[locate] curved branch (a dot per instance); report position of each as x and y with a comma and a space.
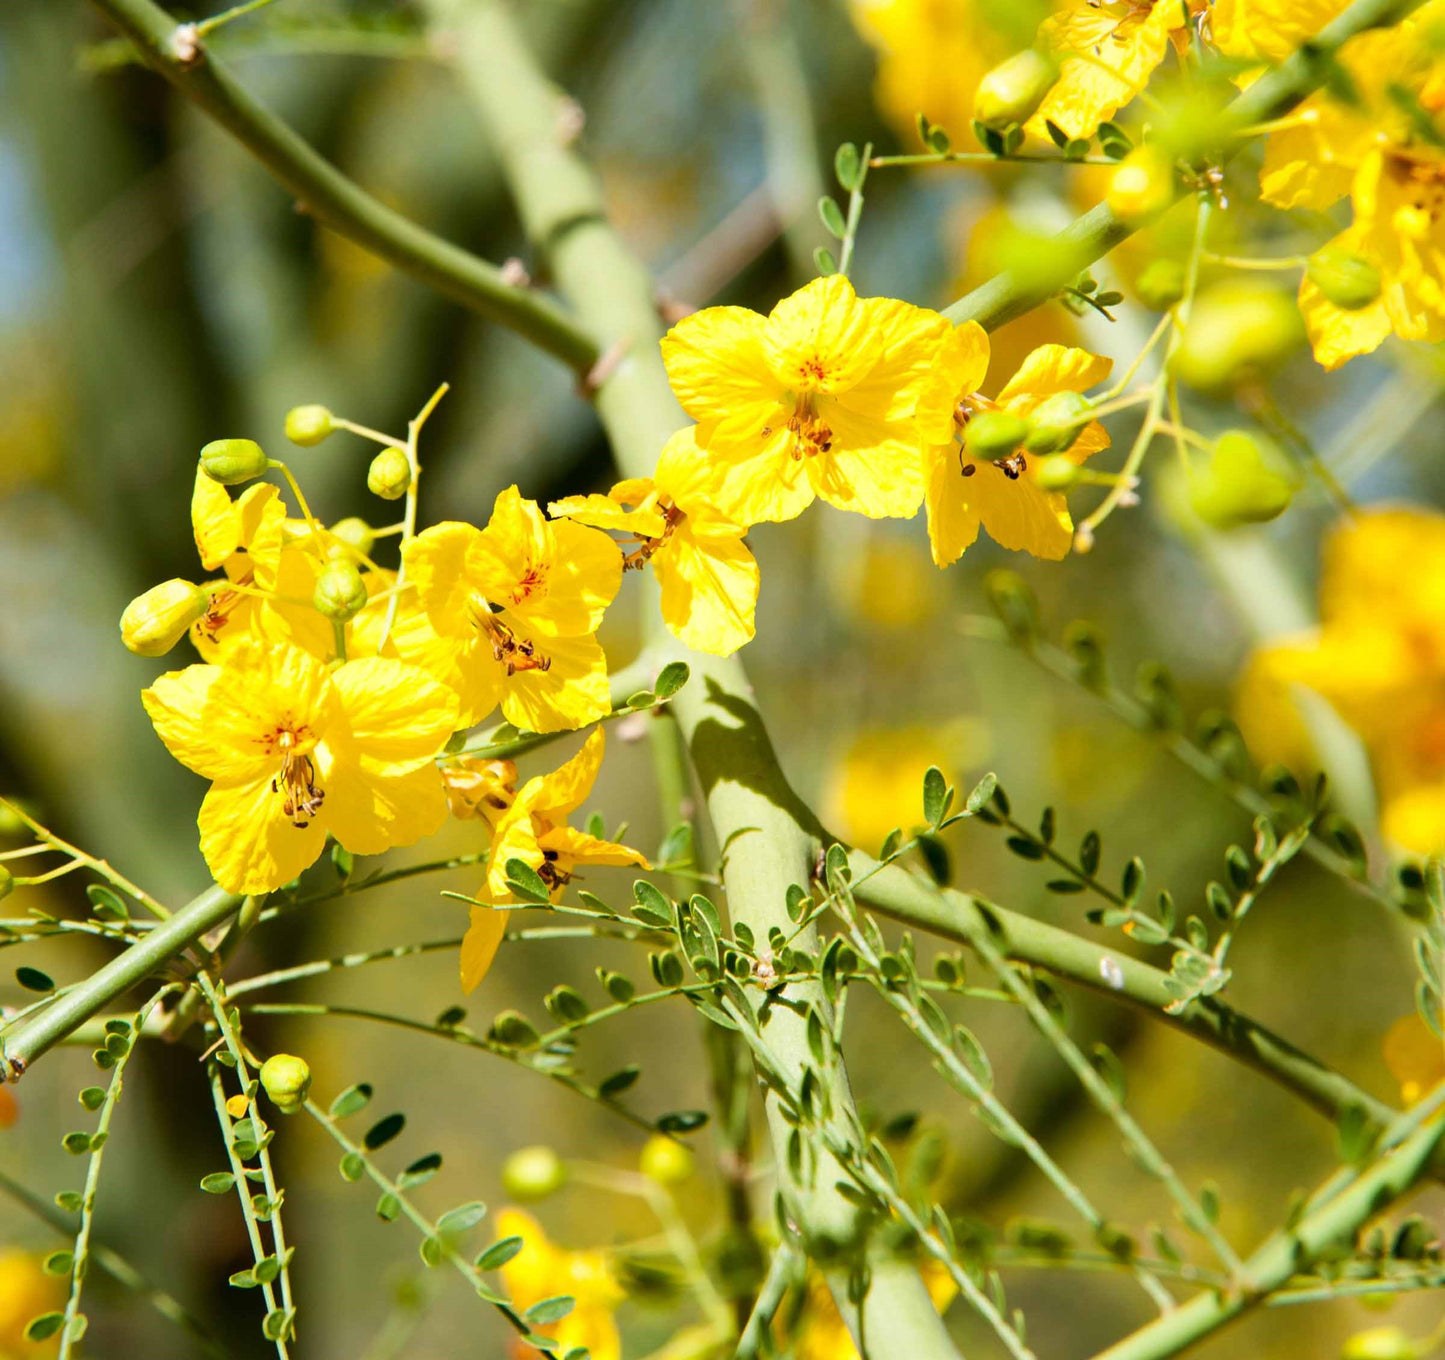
1093, 235
177, 52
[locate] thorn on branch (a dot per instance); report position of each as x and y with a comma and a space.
186, 45
514, 273
571, 119
604, 368
670, 308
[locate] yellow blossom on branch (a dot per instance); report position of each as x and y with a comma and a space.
1415, 1056
534, 829
542, 1270
1001, 491
296, 750
26, 1292
508, 614
708, 577
828, 396
821, 1333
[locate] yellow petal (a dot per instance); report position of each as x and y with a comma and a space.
577, 847
1336, 335
1414, 819
719, 371
709, 589
436, 564
370, 813
952, 521
822, 338
1019, 514
214, 521
480, 944
261, 518
1360, 579
1414, 1056
688, 477
532, 1272
400, 717
1312, 164
514, 838
875, 467
1050, 369
249, 843
572, 693
175, 703
762, 484
901, 384
463, 663
264, 689
563, 790
608, 512
1268, 29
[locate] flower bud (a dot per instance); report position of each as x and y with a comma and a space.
286, 1079
1142, 186
1014, 89
1056, 422
665, 1161
1348, 280
340, 592
533, 1173
1380, 1343
233, 461
154, 622
1248, 480
1235, 330
993, 434
7, 882
308, 425
1161, 284
1056, 472
353, 533
390, 475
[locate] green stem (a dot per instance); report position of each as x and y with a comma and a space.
22, 1044
177, 52
1093, 235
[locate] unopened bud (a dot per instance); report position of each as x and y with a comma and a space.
1057, 421
1161, 284
993, 434
233, 461
390, 475
340, 592
354, 533
1247, 481
1348, 280
287, 1080
308, 425
1380, 1343
1236, 330
666, 1161
7, 882
1142, 186
1056, 472
533, 1173
1014, 89
154, 622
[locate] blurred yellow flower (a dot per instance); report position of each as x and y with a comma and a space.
9, 1108
26, 1291
708, 577
829, 395
1414, 1056
1268, 29
542, 1270
296, 750
888, 584
509, 615
1378, 656
534, 830
823, 1335
1003, 494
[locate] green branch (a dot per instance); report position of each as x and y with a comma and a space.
1093, 235
178, 52
21, 1044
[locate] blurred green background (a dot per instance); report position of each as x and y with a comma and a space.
157, 291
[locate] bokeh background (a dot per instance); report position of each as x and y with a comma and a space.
157, 291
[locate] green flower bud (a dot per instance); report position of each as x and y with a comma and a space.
7, 882
1142, 186
308, 425
993, 434
1348, 280
1380, 1343
233, 461
286, 1079
354, 533
1014, 89
1056, 421
1247, 480
154, 622
533, 1173
666, 1161
1056, 472
390, 475
1235, 330
340, 592
1161, 284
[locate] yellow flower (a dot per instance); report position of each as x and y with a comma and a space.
828, 395
708, 577
26, 1291
508, 614
823, 1335
1414, 1056
480, 788
295, 751
1107, 52
542, 1270
534, 830
1003, 494
1378, 657
1268, 29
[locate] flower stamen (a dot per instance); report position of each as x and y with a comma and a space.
301, 795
